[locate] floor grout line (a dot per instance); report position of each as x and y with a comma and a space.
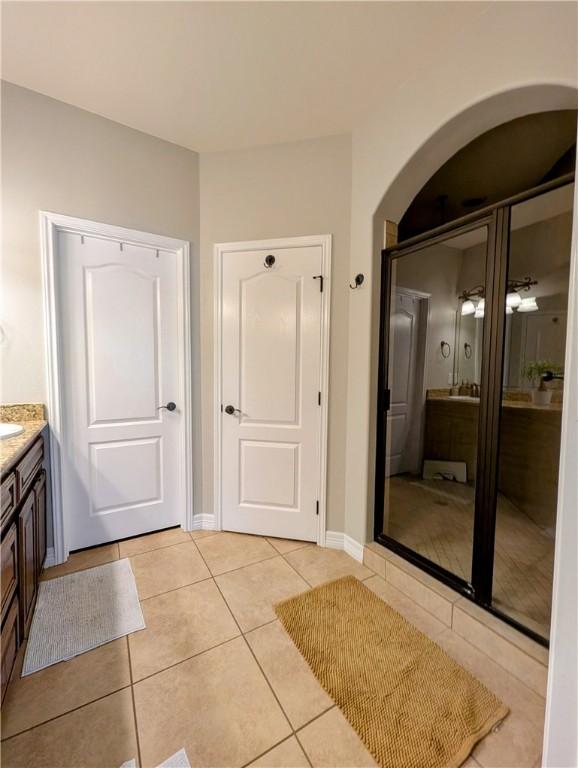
133, 702
63, 714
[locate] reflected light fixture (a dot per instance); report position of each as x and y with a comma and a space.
480, 308
468, 307
513, 300
529, 304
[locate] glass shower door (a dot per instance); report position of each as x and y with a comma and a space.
434, 329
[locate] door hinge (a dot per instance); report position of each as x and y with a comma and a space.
319, 398
320, 278
317, 507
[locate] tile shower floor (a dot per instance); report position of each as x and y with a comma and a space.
215, 673
437, 521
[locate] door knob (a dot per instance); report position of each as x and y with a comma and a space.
170, 406
231, 410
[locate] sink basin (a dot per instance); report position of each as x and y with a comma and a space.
10, 430
468, 398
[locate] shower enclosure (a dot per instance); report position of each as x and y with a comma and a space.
471, 367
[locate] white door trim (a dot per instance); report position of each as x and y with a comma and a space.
50, 225
253, 245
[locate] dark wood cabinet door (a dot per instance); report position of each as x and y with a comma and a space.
9, 561
40, 498
27, 561
9, 642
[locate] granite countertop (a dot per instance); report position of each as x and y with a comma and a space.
523, 405
31, 417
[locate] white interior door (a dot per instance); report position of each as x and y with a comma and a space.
121, 457
402, 362
271, 371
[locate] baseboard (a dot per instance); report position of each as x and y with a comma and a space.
50, 558
353, 548
204, 523
338, 540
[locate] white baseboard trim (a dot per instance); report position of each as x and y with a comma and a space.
338, 540
204, 523
50, 558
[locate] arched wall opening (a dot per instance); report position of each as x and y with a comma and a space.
449, 139
560, 747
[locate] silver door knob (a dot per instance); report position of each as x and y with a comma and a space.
170, 406
231, 410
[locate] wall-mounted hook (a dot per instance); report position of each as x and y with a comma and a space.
358, 281
269, 261
467, 350
445, 349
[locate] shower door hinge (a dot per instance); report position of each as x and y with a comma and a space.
317, 507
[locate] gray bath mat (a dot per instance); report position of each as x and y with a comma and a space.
80, 611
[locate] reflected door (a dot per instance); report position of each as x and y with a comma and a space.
120, 355
403, 360
430, 441
271, 414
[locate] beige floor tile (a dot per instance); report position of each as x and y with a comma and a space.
51, 692
318, 565
79, 561
152, 541
251, 592
416, 615
288, 754
203, 534
288, 545
180, 624
425, 594
234, 550
168, 568
97, 735
218, 706
374, 562
330, 742
295, 685
484, 636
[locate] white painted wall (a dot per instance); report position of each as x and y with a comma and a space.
285, 190
62, 159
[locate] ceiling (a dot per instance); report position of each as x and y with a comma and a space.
223, 75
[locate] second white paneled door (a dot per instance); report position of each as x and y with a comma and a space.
271, 371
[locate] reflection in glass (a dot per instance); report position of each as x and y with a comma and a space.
533, 389
435, 340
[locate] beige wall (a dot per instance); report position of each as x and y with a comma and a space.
405, 138
62, 159
285, 190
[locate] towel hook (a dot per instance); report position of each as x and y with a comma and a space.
358, 281
269, 261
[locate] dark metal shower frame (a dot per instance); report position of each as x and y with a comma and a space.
496, 219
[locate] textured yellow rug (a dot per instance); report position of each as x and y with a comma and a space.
412, 705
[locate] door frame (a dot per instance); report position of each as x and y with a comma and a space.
50, 225
220, 249
497, 218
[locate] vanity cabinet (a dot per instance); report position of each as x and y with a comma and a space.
23, 549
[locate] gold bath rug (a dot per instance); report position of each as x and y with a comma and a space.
412, 705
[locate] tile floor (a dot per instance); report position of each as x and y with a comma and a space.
214, 671
438, 523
